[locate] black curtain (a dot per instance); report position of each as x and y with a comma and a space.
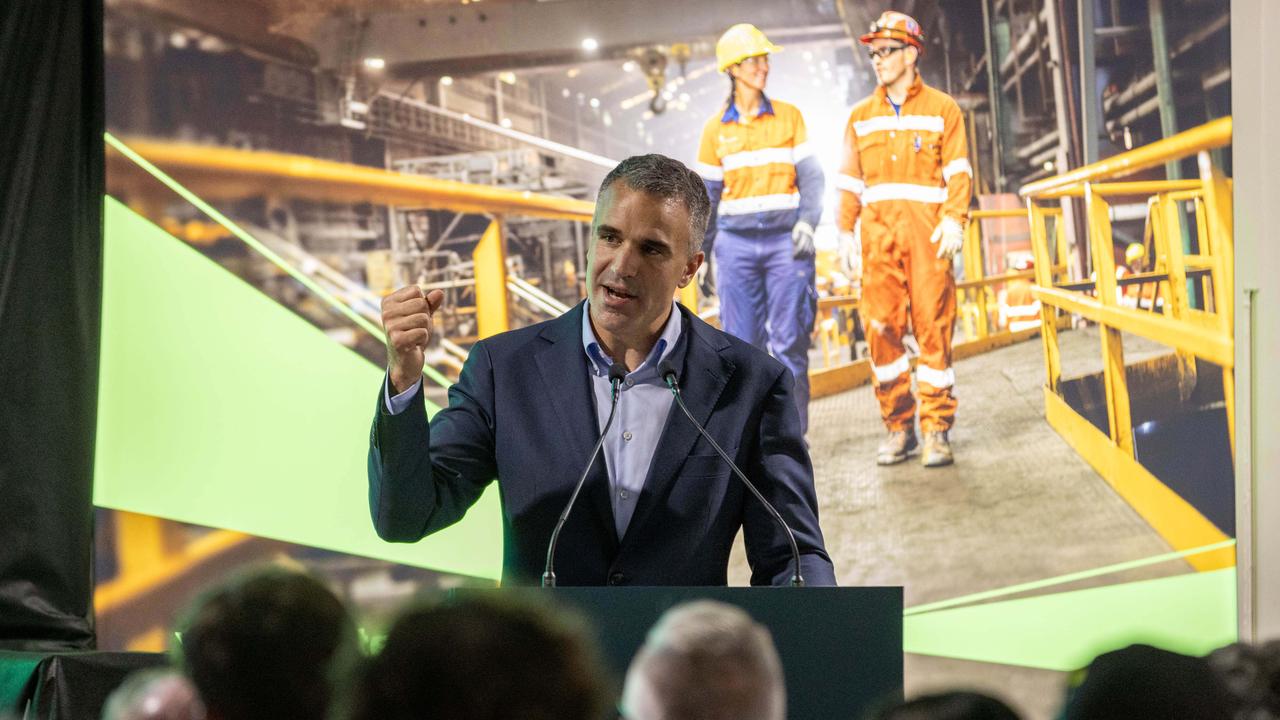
51, 186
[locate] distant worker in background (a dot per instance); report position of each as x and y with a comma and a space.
1019, 308
766, 197
905, 181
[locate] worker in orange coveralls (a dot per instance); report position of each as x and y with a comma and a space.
905, 181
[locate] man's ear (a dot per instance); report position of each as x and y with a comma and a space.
691, 268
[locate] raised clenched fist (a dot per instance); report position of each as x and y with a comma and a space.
406, 318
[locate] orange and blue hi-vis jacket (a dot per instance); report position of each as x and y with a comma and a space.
760, 174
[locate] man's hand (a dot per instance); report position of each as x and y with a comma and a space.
849, 251
406, 318
802, 240
706, 277
949, 237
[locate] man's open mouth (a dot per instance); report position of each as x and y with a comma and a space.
617, 294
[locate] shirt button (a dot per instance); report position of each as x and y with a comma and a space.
627, 436
624, 494
630, 382
617, 578
892, 133
893, 157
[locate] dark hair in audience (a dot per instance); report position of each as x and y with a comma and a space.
483, 656
949, 706
1251, 674
1141, 681
269, 643
669, 179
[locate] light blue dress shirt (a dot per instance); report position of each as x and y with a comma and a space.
644, 401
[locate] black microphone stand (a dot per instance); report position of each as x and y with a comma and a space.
616, 375
668, 374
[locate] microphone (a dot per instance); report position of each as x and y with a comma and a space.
617, 373
668, 374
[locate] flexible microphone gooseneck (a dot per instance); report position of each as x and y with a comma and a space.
668, 374
617, 373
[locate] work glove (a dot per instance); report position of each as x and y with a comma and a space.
849, 252
802, 240
949, 237
706, 277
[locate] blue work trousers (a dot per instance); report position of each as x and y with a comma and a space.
768, 299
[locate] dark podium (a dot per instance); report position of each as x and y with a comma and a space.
841, 648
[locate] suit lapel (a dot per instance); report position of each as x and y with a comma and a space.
703, 376
567, 383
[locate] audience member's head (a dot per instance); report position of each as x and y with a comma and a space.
483, 657
269, 643
155, 694
1251, 674
1141, 681
705, 660
949, 706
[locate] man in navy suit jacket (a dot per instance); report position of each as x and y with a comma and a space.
660, 507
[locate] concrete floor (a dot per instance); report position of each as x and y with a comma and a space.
1019, 505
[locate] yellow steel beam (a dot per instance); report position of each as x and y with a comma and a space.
996, 279
688, 296
1200, 341
1176, 520
835, 301
1002, 213
1166, 234
1213, 134
1114, 189
1218, 204
830, 381
974, 270
490, 258
126, 589
141, 542
1044, 277
1120, 420
227, 173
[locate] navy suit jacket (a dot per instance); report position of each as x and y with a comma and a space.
522, 412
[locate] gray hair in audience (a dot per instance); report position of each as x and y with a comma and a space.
706, 660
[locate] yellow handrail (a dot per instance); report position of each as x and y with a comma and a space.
1191, 332
221, 173
1213, 134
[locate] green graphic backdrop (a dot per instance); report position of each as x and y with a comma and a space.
217, 406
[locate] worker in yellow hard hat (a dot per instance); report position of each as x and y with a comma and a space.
1134, 254
905, 182
766, 198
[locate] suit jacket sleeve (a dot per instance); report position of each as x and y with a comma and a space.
423, 477
784, 474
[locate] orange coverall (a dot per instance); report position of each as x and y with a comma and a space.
902, 171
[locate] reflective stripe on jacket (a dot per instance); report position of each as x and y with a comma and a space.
761, 175
917, 154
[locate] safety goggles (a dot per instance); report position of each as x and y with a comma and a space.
884, 52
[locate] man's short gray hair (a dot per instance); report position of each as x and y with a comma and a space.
706, 660
666, 178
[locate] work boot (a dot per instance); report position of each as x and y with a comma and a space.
937, 450
896, 447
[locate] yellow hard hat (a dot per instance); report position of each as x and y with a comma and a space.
740, 42
1135, 251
